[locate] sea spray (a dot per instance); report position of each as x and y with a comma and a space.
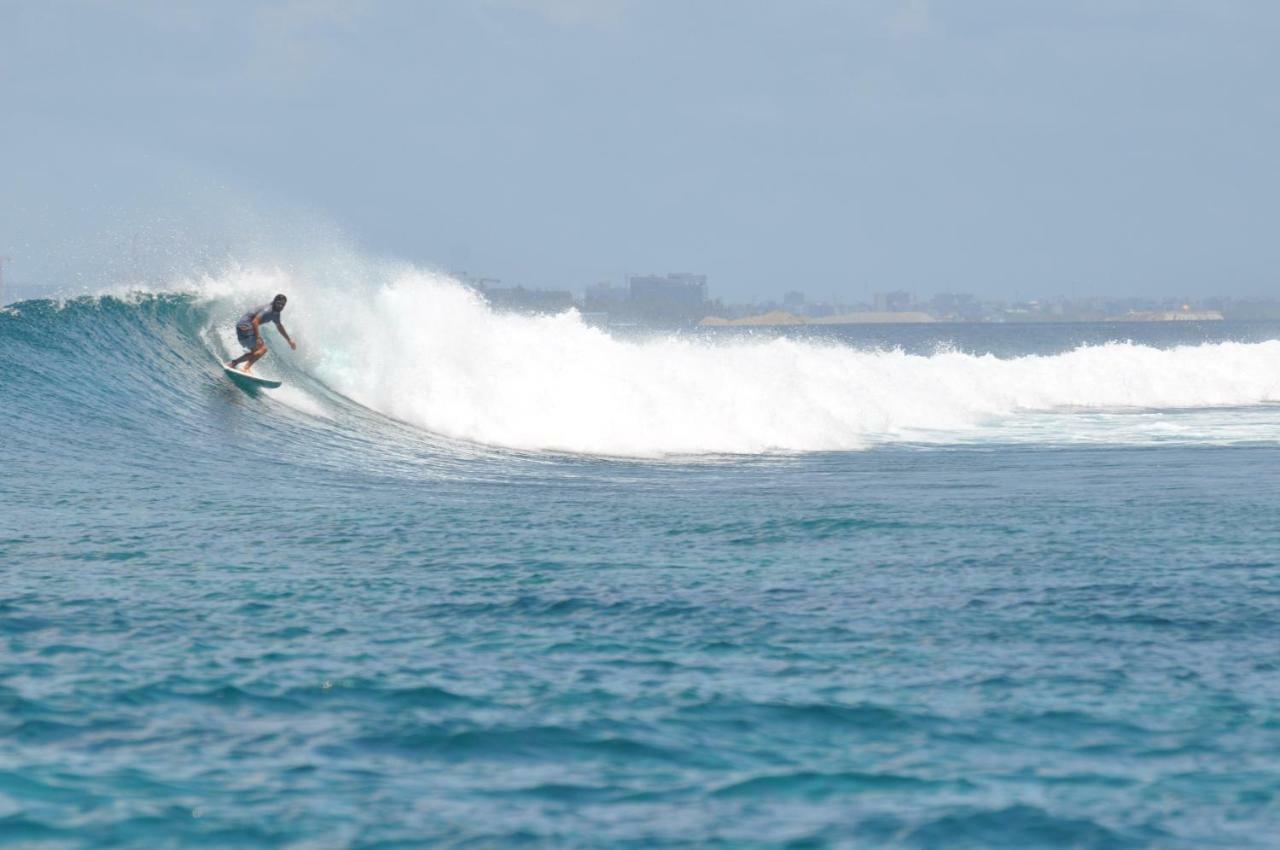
423, 349
426, 350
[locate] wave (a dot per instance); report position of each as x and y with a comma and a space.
427, 351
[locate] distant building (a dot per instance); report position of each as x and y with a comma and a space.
891, 302
677, 297
956, 306
604, 298
674, 289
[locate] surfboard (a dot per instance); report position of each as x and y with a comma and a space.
246, 380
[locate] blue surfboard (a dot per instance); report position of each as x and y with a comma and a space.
246, 380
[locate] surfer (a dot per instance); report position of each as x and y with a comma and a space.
249, 333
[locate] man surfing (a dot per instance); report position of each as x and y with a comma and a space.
249, 332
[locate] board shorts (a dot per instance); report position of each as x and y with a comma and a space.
247, 338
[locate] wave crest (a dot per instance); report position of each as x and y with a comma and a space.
424, 349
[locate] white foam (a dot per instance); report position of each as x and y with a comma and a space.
425, 350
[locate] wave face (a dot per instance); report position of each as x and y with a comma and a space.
424, 350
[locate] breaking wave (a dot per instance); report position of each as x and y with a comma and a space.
425, 350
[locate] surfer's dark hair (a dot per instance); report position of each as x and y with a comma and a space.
280, 298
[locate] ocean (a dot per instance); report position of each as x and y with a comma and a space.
480, 580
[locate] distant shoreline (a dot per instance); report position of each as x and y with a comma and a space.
782, 318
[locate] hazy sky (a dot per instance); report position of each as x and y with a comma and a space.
1002, 147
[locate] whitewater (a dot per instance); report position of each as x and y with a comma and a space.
425, 350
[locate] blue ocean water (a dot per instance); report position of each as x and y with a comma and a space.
1031, 600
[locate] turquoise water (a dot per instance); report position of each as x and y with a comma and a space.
234, 620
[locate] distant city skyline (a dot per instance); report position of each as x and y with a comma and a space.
680, 299
1009, 150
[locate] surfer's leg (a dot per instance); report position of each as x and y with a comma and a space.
254, 356
245, 336
249, 356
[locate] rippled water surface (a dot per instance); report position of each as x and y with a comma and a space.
239, 621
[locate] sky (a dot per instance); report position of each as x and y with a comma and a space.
1006, 148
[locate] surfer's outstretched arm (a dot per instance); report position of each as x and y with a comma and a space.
286, 336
